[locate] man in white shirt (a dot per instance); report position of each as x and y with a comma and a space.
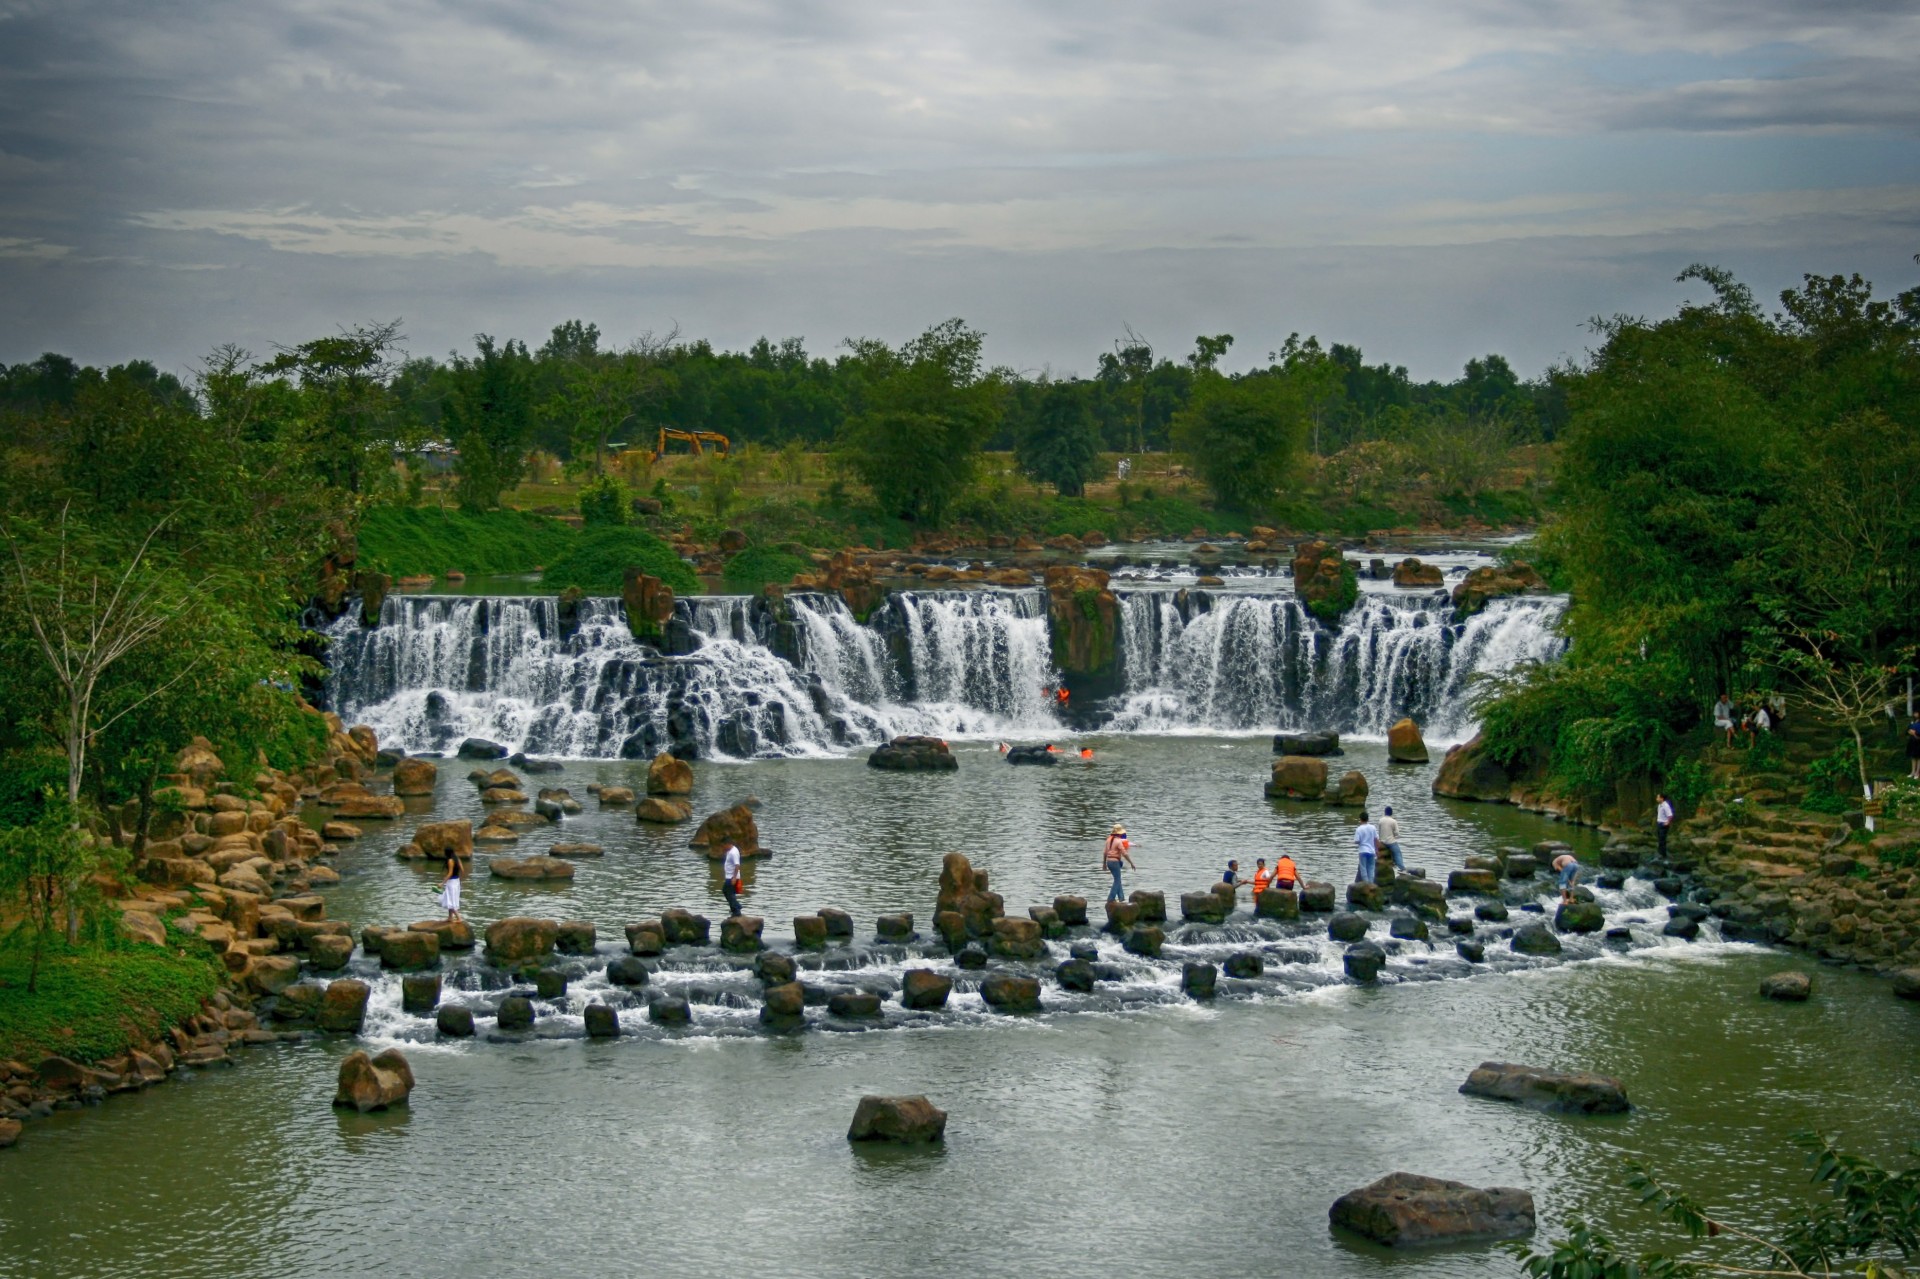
1366, 838
730, 878
1662, 818
1390, 839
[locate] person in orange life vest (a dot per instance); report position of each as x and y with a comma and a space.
1060, 695
1261, 877
1285, 874
1086, 753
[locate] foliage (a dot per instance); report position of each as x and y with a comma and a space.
489, 418
1870, 1226
604, 502
756, 566
93, 1001
422, 541
599, 558
1057, 443
1831, 787
49, 865
1243, 436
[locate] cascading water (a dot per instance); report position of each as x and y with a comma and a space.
744, 679
1203, 662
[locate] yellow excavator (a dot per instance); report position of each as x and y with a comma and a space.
693, 438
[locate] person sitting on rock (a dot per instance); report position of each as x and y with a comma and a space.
1567, 866
1390, 839
1285, 874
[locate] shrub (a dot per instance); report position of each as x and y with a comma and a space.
604, 502
599, 558
756, 566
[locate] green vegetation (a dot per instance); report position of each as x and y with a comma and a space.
94, 1000
756, 567
1243, 435
598, 559
425, 541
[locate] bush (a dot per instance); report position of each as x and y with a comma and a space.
408, 542
599, 559
93, 1001
756, 566
604, 502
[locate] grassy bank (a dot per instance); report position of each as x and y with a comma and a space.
428, 540
93, 1002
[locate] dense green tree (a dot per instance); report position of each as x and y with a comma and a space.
489, 418
1057, 441
1243, 435
925, 411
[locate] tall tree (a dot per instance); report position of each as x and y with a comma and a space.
489, 418
1243, 435
1058, 442
927, 411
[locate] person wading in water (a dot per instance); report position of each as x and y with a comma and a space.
1113, 855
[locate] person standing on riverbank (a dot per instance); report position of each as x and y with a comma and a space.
1114, 854
450, 887
1366, 838
1390, 838
1662, 819
730, 877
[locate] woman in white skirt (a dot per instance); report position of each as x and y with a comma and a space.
450, 887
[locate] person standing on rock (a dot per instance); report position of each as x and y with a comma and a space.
1285, 874
1261, 877
1366, 838
1390, 838
1567, 866
450, 887
1662, 819
1115, 853
730, 877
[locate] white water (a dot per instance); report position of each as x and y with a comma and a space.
957, 664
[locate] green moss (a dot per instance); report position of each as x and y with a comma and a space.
408, 542
1343, 597
756, 566
93, 1002
599, 558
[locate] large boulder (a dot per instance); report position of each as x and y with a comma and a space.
1083, 618
1011, 992
914, 755
373, 1083
1313, 743
1363, 961
1404, 743
436, 841
344, 1006
1788, 987
403, 950
361, 808
1468, 772
1016, 938
455, 1021
530, 867
682, 927
656, 810
414, 777
1485, 883
667, 775
481, 748
1350, 790
1403, 1210
518, 939
1534, 939
649, 605
1297, 777
730, 825
741, 933
1277, 903
897, 1119
615, 796
963, 891
1573, 1093
922, 988
1906, 983
1579, 917
1412, 572
1324, 580
1493, 582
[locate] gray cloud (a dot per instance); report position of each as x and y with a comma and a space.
174, 175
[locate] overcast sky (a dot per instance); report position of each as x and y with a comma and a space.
1429, 179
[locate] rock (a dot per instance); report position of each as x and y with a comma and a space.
329, 952
972, 956
646, 937
1493, 582
1350, 790
9, 1132
1083, 618
784, 1006
1297, 777
550, 983
1579, 917
730, 825
339, 832
1145, 940
896, 927
1460, 924
1121, 916
1363, 961
272, 974
1277, 903
669, 1010
454, 1021
419, 992
1199, 980
1075, 974
481, 748
1011, 993
1039, 755
1407, 928
1534, 939
1412, 572
532, 765
577, 850
415, 777
1788, 987
1423, 897
516, 1013
1492, 912
362, 808
403, 950
906, 1120
1467, 772
1482, 882
1317, 898
1152, 904
373, 1083
839, 923
1685, 927
656, 811
531, 868
853, 1004
143, 926
1206, 908
615, 796
1471, 949
575, 937
1324, 580
517, 939
1521, 865
602, 1022
1317, 743
1363, 896
1017, 938
1071, 911
1906, 983
741, 933
1564, 1093
1346, 926
914, 755
1404, 743
683, 928
774, 969
667, 775
922, 988
344, 1006
628, 970
809, 932
1244, 964
1403, 1210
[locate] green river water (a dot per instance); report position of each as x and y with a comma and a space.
1129, 1131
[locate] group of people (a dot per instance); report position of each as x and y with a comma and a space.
1758, 715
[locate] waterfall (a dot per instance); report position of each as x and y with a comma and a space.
746, 679
1197, 662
